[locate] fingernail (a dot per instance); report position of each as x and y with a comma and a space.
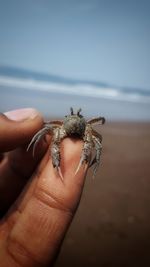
21, 114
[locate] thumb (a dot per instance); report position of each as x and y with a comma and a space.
17, 127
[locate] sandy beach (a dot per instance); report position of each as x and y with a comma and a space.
112, 224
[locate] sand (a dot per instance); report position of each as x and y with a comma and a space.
112, 224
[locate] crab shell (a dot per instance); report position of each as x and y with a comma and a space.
75, 125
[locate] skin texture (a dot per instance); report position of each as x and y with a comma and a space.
36, 207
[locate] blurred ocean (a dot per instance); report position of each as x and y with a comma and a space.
53, 96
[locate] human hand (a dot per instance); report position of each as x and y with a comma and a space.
32, 230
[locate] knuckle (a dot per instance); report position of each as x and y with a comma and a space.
54, 202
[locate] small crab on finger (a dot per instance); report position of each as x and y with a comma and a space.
73, 125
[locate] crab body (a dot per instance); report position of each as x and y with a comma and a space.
73, 125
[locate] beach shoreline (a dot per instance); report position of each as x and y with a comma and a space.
112, 226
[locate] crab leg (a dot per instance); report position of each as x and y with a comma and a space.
87, 148
38, 136
59, 134
55, 122
96, 160
96, 134
95, 120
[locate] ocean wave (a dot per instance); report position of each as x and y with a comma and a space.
88, 90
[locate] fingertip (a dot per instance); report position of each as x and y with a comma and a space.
18, 127
49, 180
70, 151
71, 154
22, 114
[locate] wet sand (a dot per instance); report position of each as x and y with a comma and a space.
112, 224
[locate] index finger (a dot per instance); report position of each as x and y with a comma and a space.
43, 214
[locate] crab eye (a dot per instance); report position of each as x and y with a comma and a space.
78, 112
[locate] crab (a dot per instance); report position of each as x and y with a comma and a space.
73, 125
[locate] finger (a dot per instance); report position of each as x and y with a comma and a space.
37, 225
17, 127
15, 171
16, 167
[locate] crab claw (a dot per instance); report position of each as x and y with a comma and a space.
34, 143
60, 173
80, 164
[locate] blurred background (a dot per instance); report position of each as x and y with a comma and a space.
93, 54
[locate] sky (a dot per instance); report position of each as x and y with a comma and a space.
99, 40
